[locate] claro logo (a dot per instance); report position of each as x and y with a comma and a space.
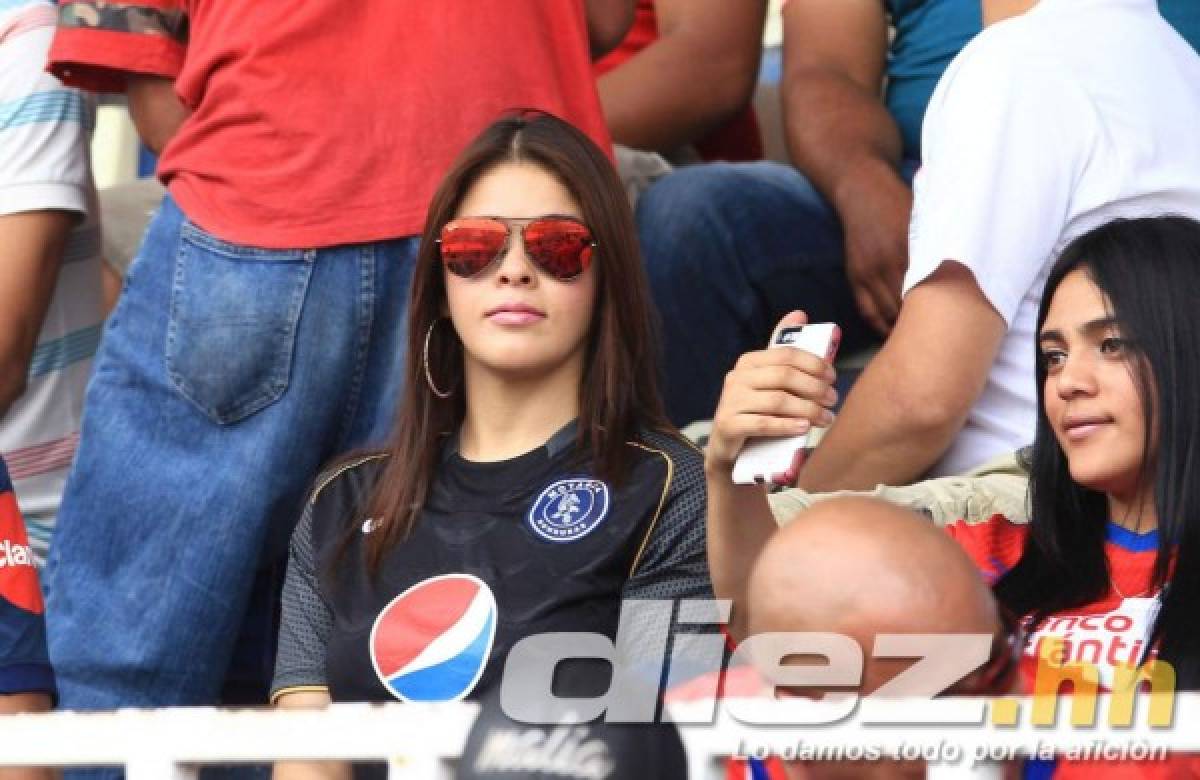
14, 554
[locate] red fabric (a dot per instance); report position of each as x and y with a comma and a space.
325, 123
643, 33
18, 577
98, 57
738, 140
995, 546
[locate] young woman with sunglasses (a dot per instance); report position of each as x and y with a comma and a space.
1107, 573
531, 483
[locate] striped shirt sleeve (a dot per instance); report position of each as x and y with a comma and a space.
100, 42
44, 126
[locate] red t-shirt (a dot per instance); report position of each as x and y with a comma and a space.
737, 140
324, 123
1110, 631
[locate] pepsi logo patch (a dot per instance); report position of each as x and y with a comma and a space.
569, 509
432, 642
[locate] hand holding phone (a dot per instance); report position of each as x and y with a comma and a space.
777, 459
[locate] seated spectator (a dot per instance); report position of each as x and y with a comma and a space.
532, 483
865, 568
1080, 93
678, 88
731, 249
26, 679
262, 325
50, 288
953, 385
1111, 482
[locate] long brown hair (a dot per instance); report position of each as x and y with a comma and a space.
618, 394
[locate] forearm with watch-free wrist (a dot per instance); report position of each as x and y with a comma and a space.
739, 524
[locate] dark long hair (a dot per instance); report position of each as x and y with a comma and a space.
1149, 270
619, 393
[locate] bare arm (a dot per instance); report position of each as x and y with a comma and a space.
698, 73
25, 702
915, 394
312, 770
11, 704
608, 21
773, 392
841, 136
739, 525
155, 109
31, 244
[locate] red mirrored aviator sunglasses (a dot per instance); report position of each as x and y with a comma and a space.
560, 247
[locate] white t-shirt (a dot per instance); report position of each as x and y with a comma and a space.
44, 134
1045, 126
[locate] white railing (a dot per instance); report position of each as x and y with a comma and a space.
422, 742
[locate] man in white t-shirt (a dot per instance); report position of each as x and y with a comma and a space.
1061, 115
50, 289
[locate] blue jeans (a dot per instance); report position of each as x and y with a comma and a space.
227, 377
730, 249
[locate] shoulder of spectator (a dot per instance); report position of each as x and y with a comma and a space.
994, 545
671, 560
45, 134
684, 460
850, 36
339, 495
1006, 59
353, 471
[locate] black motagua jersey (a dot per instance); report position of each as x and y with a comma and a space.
501, 551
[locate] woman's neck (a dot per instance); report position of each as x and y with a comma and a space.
507, 417
1134, 513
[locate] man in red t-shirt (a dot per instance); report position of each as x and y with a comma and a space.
681, 81
262, 327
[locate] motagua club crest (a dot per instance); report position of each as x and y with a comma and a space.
569, 509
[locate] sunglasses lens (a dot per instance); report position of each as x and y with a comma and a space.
561, 248
470, 245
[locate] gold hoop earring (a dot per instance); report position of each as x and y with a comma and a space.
425, 360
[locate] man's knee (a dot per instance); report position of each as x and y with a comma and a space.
688, 199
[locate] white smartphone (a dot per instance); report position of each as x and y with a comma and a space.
777, 459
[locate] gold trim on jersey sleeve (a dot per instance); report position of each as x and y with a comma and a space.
297, 689
331, 476
662, 501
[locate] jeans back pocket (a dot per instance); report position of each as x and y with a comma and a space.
233, 320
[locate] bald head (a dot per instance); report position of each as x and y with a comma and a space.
861, 567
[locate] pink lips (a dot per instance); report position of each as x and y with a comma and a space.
515, 314
1079, 428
